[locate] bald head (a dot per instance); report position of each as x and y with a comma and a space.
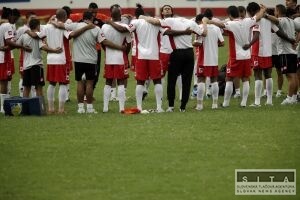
61, 15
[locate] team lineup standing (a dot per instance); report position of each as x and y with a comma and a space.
162, 46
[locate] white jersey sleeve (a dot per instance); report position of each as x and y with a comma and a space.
42, 33
220, 35
9, 34
195, 27
297, 24
132, 26
100, 35
71, 26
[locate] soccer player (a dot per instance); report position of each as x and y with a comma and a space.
208, 63
68, 11
32, 62
239, 59
236, 81
21, 31
261, 51
115, 64
287, 52
7, 34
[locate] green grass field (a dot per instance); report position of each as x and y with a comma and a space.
167, 156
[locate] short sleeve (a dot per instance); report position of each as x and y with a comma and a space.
67, 34
132, 26
70, 26
42, 33
9, 34
297, 25
100, 35
256, 28
196, 28
220, 36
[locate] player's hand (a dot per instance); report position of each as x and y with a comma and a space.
124, 47
4, 48
90, 25
27, 49
246, 46
295, 45
263, 7
58, 50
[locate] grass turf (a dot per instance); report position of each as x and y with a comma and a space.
189, 155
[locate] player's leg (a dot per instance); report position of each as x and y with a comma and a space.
155, 72
186, 71
51, 97
121, 94
258, 86
62, 96
107, 92
214, 91
141, 75
269, 85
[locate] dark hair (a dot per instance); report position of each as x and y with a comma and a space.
270, 11
281, 9
208, 13
253, 8
93, 5
114, 6
290, 12
241, 9
139, 10
199, 18
87, 15
15, 12
162, 8
34, 23
233, 11
68, 10
6, 12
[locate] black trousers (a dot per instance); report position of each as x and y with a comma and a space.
181, 63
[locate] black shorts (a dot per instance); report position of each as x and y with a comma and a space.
276, 61
90, 71
288, 63
33, 76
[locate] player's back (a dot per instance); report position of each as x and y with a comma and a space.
84, 46
114, 56
239, 35
34, 57
147, 38
288, 26
211, 47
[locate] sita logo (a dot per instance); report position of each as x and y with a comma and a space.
286, 179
